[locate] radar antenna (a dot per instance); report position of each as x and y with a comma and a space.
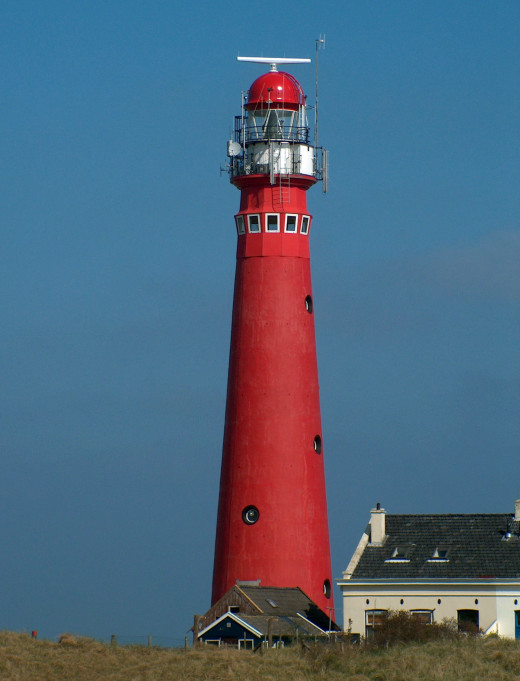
274, 61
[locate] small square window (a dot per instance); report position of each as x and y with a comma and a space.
422, 616
254, 224
291, 223
273, 222
305, 224
241, 228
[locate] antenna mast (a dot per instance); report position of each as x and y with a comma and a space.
320, 42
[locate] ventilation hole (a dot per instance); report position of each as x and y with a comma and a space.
439, 601
368, 601
326, 588
317, 444
476, 601
250, 515
401, 601
516, 601
308, 304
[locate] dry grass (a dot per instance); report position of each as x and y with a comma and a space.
80, 659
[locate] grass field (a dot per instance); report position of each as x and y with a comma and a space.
80, 659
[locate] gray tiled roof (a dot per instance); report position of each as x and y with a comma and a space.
282, 626
476, 545
288, 602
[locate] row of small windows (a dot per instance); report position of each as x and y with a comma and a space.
467, 620
402, 553
253, 223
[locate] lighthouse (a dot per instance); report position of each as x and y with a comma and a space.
272, 526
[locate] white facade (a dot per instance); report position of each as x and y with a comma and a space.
370, 587
497, 602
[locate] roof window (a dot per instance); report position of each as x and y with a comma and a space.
441, 554
400, 554
272, 603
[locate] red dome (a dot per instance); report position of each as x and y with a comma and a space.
276, 89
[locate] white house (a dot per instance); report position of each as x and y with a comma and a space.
464, 567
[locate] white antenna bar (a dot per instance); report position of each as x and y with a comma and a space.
273, 61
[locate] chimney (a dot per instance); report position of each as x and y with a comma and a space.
377, 525
517, 510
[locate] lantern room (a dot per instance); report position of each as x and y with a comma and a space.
275, 109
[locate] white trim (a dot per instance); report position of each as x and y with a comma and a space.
272, 215
254, 215
356, 557
311, 623
234, 617
291, 215
240, 223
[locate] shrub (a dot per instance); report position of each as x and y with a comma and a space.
401, 627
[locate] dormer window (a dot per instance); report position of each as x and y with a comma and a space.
400, 554
440, 554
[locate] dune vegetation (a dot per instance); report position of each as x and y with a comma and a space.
81, 659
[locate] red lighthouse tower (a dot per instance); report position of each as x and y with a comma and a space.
272, 516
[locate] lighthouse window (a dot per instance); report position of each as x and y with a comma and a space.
305, 224
290, 223
326, 588
317, 444
254, 223
250, 515
240, 224
308, 304
273, 222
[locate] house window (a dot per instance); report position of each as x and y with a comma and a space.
254, 224
305, 224
273, 222
440, 555
241, 229
373, 619
400, 554
422, 616
467, 620
234, 608
291, 223
245, 643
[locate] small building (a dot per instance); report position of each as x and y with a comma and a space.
249, 614
463, 567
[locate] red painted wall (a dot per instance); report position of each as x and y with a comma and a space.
273, 411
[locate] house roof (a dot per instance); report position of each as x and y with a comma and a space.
268, 601
258, 626
285, 602
443, 546
283, 626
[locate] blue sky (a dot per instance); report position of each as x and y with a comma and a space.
117, 268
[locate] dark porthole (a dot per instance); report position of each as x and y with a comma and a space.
439, 601
401, 601
317, 444
326, 588
250, 515
308, 304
